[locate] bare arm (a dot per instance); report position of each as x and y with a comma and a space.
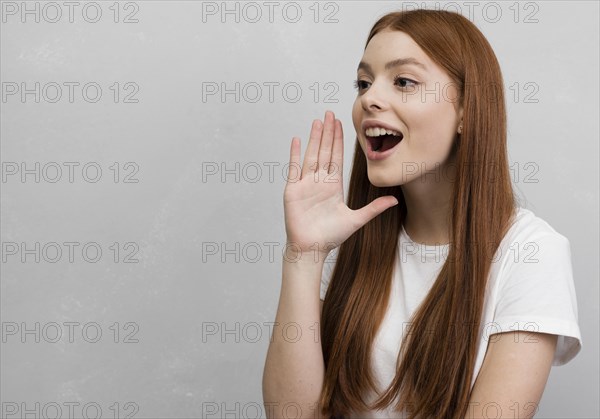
315, 214
294, 369
513, 375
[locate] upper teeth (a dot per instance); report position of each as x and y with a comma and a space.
376, 132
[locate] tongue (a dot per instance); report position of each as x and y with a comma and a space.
389, 141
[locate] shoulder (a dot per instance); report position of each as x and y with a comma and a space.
532, 243
527, 225
533, 254
534, 288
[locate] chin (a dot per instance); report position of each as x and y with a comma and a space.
382, 181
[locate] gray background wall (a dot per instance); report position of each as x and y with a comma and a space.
181, 188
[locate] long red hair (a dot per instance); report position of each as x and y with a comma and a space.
434, 373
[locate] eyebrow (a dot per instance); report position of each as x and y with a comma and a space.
395, 63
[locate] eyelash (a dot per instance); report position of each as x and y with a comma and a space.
396, 79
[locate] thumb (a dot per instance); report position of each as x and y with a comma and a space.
376, 207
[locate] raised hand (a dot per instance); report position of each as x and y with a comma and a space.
317, 218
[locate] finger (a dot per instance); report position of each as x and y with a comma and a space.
326, 141
294, 170
312, 150
337, 154
372, 210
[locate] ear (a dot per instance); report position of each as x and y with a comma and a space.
460, 124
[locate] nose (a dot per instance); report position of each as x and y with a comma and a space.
374, 99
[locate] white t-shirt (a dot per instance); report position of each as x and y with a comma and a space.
530, 288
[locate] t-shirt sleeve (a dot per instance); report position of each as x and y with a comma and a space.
328, 271
537, 293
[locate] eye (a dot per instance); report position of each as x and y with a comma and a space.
359, 84
400, 80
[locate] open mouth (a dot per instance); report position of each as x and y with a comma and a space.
381, 143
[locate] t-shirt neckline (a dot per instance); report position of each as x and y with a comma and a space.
421, 245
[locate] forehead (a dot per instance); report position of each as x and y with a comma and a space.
389, 38
389, 45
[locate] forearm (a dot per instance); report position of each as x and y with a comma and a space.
294, 367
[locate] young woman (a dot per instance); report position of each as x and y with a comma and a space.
445, 299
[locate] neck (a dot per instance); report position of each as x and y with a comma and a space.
428, 204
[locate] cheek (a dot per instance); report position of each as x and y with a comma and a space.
432, 127
357, 117
356, 113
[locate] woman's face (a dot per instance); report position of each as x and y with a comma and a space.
420, 102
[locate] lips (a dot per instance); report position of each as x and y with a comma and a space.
384, 142
383, 139
373, 123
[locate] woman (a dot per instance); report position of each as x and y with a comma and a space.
447, 299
